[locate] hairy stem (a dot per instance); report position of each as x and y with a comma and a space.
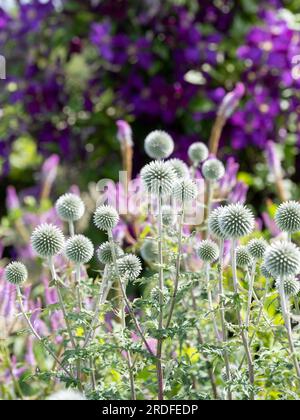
287, 321
123, 291
177, 276
210, 301
222, 316
36, 335
159, 366
240, 323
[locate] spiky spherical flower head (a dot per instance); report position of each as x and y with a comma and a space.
180, 168
257, 248
106, 218
159, 145
158, 177
243, 257
291, 286
47, 240
130, 266
69, 207
265, 272
208, 251
185, 190
214, 223
156, 293
105, 255
149, 250
16, 273
282, 259
79, 249
287, 216
198, 152
213, 170
236, 221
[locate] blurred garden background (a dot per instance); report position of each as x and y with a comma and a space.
77, 67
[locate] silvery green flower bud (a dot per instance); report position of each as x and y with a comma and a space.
208, 251
105, 255
214, 223
158, 178
291, 286
79, 249
282, 259
130, 266
198, 152
213, 170
287, 217
106, 218
159, 145
149, 250
16, 273
155, 294
180, 168
243, 257
185, 190
257, 248
236, 221
47, 240
70, 207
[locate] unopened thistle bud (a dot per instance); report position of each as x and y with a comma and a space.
79, 249
282, 259
47, 240
159, 145
198, 152
106, 218
180, 168
287, 217
213, 170
185, 190
257, 248
208, 251
16, 273
105, 255
243, 257
236, 221
70, 207
130, 266
158, 178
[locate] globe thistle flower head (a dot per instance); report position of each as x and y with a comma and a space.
185, 190
16, 273
79, 249
104, 253
159, 145
155, 294
243, 257
70, 207
214, 223
291, 285
265, 272
149, 250
180, 168
208, 251
47, 240
158, 178
213, 170
282, 259
106, 218
287, 217
236, 221
257, 248
198, 152
130, 266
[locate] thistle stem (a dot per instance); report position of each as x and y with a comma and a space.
71, 228
36, 335
123, 291
178, 263
210, 301
244, 339
78, 285
287, 321
251, 277
159, 367
223, 316
128, 356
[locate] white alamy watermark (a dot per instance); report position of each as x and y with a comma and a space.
131, 199
2, 67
